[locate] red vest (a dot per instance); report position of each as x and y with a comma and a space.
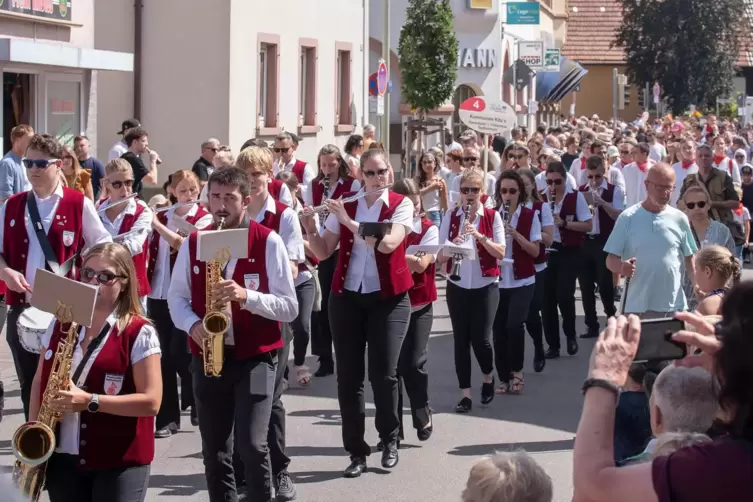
140, 260
488, 263
298, 169
522, 266
570, 208
109, 441
66, 226
154, 243
394, 275
272, 222
253, 333
484, 198
317, 190
275, 188
424, 288
606, 223
541, 258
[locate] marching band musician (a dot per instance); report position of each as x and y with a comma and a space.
277, 189
105, 444
472, 299
261, 292
332, 182
133, 217
608, 202
257, 164
286, 147
369, 304
163, 250
76, 227
423, 294
572, 220
517, 282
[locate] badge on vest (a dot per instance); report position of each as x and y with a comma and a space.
68, 238
48, 355
252, 281
113, 384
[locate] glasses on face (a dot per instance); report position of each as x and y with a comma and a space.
380, 173
692, 205
103, 277
662, 188
360, 145
557, 181
470, 159
624, 152
117, 185
505, 191
281, 150
38, 163
595, 176
467, 190
215, 150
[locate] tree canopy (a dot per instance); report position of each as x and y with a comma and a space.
690, 47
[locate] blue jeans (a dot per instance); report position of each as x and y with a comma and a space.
739, 251
435, 217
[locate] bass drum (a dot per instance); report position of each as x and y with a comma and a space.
32, 325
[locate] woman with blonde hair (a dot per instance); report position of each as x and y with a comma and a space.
433, 189
105, 444
75, 176
716, 269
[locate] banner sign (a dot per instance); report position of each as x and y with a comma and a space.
48, 9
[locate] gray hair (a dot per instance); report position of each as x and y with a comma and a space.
669, 442
512, 477
283, 136
369, 129
686, 398
210, 142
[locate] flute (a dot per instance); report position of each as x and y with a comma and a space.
179, 204
121, 201
318, 209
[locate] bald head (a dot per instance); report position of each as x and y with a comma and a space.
661, 173
660, 183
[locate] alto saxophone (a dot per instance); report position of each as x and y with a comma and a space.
34, 442
216, 322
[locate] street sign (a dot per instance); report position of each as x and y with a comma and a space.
657, 92
551, 60
487, 117
521, 76
382, 78
523, 13
380, 106
532, 53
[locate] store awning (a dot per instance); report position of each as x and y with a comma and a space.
551, 87
19, 50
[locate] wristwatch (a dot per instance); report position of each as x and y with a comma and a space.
93, 405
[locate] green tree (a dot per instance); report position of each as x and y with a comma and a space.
428, 53
690, 47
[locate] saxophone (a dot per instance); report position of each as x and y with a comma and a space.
34, 442
216, 322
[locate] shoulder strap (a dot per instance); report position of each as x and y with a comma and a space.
90, 350
44, 243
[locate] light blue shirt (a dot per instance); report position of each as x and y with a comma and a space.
13, 178
659, 243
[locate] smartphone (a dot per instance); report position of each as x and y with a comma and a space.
656, 341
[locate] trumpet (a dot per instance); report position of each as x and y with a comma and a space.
457, 259
309, 211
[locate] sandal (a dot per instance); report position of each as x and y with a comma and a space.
502, 388
517, 385
302, 376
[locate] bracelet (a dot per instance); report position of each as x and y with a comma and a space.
599, 382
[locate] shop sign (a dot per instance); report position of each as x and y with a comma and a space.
477, 58
48, 9
487, 117
480, 4
523, 13
532, 54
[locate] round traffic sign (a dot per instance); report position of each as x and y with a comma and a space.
382, 79
487, 117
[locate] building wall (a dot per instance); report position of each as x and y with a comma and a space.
595, 96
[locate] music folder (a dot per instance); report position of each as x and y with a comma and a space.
234, 241
450, 249
51, 291
182, 225
374, 229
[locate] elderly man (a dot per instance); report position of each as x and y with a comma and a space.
203, 166
369, 131
649, 244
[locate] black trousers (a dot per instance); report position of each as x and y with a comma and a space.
65, 483
237, 404
24, 361
411, 367
301, 326
321, 344
509, 333
533, 323
472, 315
358, 319
561, 274
176, 361
593, 270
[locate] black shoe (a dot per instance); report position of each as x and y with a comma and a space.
163, 433
539, 361
356, 468
194, 416
464, 406
326, 368
285, 488
487, 392
552, 353
592, 333
425, 433
390, 456
380, 445
572, 346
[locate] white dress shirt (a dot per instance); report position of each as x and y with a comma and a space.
280, 304
146, 344
507, 280
117, 150
290, 229
305, 274
308, 196
547, 220
618, 202
581, 211
470, 270
309, 171
635, 186
680, 174
285, 196
613, 176
575, 167
541, 185
733, 171
91, 226
140, 230
161, 274
362, 274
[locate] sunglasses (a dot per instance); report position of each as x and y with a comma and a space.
39, 164
595, 176
691, 205
505, 191
117, 185
380, 173
625, 152
517, 157
554, 182
281, 150
103, 276
470, 159
467, 190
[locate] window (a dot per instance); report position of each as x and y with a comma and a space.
263, 72
268, 92
307, 86
343, 119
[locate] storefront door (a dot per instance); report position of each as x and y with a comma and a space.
63, 111
19, 103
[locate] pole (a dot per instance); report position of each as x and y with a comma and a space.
485, 139
615, 90
515, 81
386, 57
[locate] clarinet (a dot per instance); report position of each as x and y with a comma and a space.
457, 259
323, 215
506, 213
